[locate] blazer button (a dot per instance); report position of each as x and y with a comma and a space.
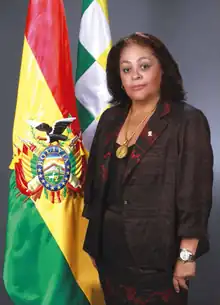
125, 202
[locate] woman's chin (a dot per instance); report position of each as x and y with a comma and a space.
143, 97
140, 98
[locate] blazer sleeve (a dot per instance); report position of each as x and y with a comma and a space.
91, 169
195, 177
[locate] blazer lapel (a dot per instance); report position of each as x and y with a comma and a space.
152, 130
112, 131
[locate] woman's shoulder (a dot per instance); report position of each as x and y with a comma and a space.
108, 117
189, 112
190, 119
111, 113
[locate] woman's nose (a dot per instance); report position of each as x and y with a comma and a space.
136, 75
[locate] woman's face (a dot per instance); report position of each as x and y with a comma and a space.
140, 72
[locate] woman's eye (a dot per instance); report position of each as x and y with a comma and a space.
145, 66
126, 70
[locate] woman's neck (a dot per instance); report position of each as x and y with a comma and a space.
138, 107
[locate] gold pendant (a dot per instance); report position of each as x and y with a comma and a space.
122, 151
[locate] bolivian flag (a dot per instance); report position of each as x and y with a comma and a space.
48, 167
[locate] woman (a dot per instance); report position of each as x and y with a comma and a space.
148, 189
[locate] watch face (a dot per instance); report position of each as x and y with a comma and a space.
184, 255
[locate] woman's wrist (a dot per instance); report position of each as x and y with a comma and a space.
189, 244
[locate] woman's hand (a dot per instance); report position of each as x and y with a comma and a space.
182, 272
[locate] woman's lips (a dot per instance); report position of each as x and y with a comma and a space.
137, 87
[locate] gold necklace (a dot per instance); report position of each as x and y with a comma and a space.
122, 150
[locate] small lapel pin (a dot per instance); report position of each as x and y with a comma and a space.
149, 133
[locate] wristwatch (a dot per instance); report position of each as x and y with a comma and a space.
186, 256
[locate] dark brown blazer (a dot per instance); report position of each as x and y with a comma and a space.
167, 186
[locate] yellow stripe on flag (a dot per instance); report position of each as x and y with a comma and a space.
103, 4
35, 99
88, 275
102, 60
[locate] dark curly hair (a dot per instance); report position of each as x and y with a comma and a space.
171, 83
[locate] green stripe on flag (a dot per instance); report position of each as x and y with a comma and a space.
84, 61
85, 117
32, 251
86, 4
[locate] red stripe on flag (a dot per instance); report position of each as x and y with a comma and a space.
47, 35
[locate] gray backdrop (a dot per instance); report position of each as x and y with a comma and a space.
190, 29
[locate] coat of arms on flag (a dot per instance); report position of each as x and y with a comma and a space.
51, 162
